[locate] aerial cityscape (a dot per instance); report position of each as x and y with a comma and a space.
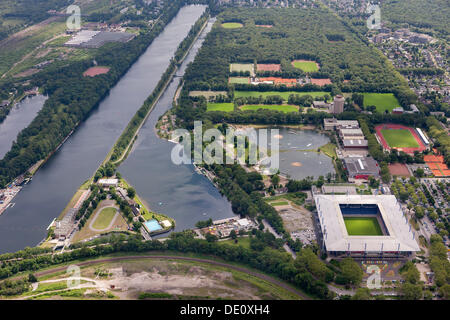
224, 150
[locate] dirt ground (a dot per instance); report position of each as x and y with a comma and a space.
127, 280
298, 221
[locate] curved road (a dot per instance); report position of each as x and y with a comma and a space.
220, 264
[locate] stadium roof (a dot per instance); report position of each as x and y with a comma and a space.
401, 236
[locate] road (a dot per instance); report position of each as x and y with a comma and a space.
215, 263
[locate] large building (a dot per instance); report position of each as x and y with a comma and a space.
338, 104
364, 226
351, 134
334, 124
361, 168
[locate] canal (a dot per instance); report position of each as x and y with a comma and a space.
57, 180
175, 190
19, 117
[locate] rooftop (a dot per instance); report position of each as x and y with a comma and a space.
401, 236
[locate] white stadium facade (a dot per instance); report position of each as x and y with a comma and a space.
395, 240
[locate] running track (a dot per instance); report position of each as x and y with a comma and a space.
215, 263
399, 126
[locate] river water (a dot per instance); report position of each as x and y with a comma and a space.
19, 117
57, 180
175, 190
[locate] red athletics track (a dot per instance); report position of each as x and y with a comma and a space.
399, 126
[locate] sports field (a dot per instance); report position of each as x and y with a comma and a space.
283, 108
104, 218
383, 101
362, 226
306, 65
232, 25
399, 138
285, 95
242, 67
227, 107
240, 80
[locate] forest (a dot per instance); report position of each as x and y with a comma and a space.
295, 34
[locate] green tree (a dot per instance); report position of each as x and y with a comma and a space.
352, 273
362, 294
131, 192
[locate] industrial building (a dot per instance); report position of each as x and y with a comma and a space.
361, 168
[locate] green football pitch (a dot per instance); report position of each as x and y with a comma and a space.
361, 226
227, 107
399, 138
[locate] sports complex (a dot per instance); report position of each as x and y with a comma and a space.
401, 138
364, 226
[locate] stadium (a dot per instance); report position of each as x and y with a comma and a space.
364, 226
401, 138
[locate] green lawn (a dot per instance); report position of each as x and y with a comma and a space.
241, 80
285, 95
242, 241
227, 107
357, 226
242, 67
232, 25
283, 108
383, 101
399, 138
280, 203
104, 218
307, 66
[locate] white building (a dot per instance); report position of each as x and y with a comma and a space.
397, 239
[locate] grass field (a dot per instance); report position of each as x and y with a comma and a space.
227, 107
399, 138
307, 66
280, 203
383, 101
362, 226
104, 218
285, 95
232, 25
242, 67
242, 241
242, 80
283, 108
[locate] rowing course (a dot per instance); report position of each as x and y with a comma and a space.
57, 180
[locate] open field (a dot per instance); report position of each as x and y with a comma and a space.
268, 67
147, 277
283, 108
241, 80
306, 65
399, 138
87, 232
95, 71
241, 241
242, 67
227, 107
383, 101
399, 169
285, 95
104, 218
362, 226
232, 25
